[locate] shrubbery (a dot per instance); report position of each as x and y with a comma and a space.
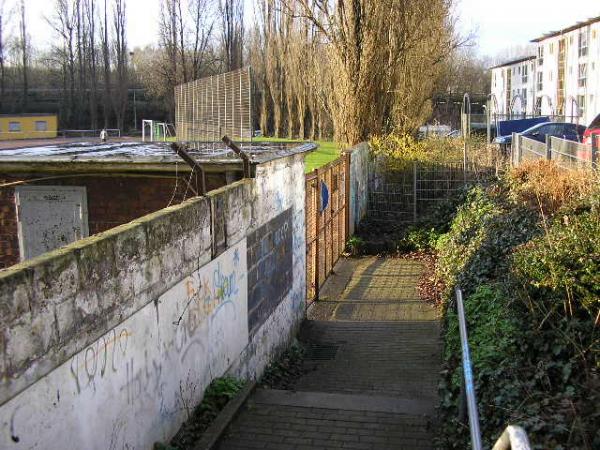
528, 260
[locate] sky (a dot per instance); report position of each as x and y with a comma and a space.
501, 24
497, 24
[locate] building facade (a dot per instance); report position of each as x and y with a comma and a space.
513, 87
568, 72
562, 79
27, 126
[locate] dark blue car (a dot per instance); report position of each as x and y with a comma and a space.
568, 131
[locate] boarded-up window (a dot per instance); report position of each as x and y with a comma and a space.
41, 125
50, 217
14, 126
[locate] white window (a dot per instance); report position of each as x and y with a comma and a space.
41, 125
540, 81
583, 42
14, 127
551, 48
524, 95
524, 74
582, 80
541, 55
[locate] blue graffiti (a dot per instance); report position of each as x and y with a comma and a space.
225, 286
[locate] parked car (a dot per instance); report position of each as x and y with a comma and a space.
594, 128
568, 131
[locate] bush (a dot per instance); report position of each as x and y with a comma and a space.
419, 239
528, 260
355, 246
494, 335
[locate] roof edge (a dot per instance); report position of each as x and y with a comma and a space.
568, 29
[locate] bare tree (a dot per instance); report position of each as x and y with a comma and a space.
90, 8
106, 58
232, 33
24, 50
203, 26
121, 61
2, 52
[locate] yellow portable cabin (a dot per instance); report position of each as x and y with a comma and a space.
27, 126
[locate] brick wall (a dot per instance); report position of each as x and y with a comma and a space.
111, 201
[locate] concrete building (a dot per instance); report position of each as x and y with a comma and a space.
513, 86
568, 71
27, 126
562, 79
54, 195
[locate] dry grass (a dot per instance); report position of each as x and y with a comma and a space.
542, 184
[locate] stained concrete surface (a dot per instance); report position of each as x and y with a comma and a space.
374, 351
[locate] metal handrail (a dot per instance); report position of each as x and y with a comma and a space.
513, 437
468, 374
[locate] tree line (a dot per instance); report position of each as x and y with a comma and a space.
345, 69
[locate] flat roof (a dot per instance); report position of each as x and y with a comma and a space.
137, 156
567, 29
28, 115
514, 61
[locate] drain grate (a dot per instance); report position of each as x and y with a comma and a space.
321, 352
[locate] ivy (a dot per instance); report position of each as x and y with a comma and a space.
532, 291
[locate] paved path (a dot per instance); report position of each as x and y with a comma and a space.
374, 355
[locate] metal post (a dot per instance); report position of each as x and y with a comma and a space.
488, 123
595, 142
516, 157
468, 374
548, 147
415, 192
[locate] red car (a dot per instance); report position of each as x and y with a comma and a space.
594, 129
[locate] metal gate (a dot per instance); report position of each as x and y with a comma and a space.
326, 221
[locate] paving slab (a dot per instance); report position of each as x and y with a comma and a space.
373, 361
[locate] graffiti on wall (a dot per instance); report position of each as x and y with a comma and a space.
130, 378
270, 267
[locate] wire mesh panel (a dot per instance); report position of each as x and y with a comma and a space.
406, 196
211, 107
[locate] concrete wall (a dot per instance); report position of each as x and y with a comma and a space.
108, 342
359, 182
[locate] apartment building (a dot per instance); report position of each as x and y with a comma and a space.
513, 86
568, 71
562, 79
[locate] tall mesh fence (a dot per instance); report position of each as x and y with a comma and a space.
211, 107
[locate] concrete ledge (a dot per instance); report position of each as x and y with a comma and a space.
213, 433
